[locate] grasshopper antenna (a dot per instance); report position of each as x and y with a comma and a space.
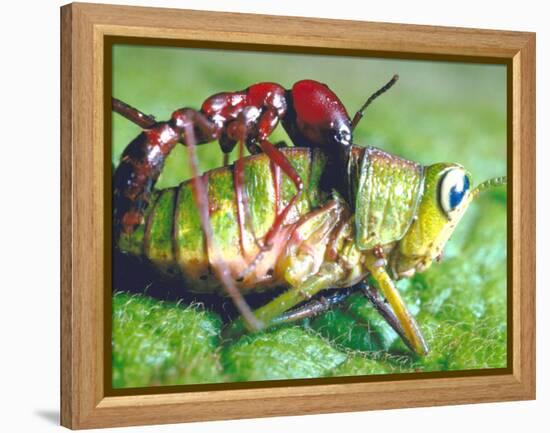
491, 183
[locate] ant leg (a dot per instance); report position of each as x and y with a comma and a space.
227, 145
218, 265
267, 122
359, 115
279, 159
204, 130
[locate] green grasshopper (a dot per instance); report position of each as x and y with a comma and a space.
391, 219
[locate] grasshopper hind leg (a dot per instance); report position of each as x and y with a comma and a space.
269, 313
310, 309
316, 306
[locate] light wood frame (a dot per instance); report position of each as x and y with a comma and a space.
84, 403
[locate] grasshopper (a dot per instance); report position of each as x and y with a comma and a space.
296, 217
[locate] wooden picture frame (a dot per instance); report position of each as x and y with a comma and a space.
85, 28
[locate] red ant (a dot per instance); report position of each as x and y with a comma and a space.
311, 114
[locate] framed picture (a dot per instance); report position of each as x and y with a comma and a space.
312, 215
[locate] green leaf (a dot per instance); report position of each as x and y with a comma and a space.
364, 365
159, 343
287, 353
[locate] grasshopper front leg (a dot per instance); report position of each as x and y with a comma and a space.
399, 317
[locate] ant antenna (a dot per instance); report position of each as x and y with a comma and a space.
132, 114
359, 115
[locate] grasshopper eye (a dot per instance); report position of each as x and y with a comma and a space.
453, 189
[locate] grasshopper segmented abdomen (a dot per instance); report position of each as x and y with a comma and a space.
171, 234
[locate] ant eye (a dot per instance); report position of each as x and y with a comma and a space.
453, 189
342, 136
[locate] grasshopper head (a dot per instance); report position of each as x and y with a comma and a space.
446, 197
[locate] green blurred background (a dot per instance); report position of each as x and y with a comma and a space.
438, 111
